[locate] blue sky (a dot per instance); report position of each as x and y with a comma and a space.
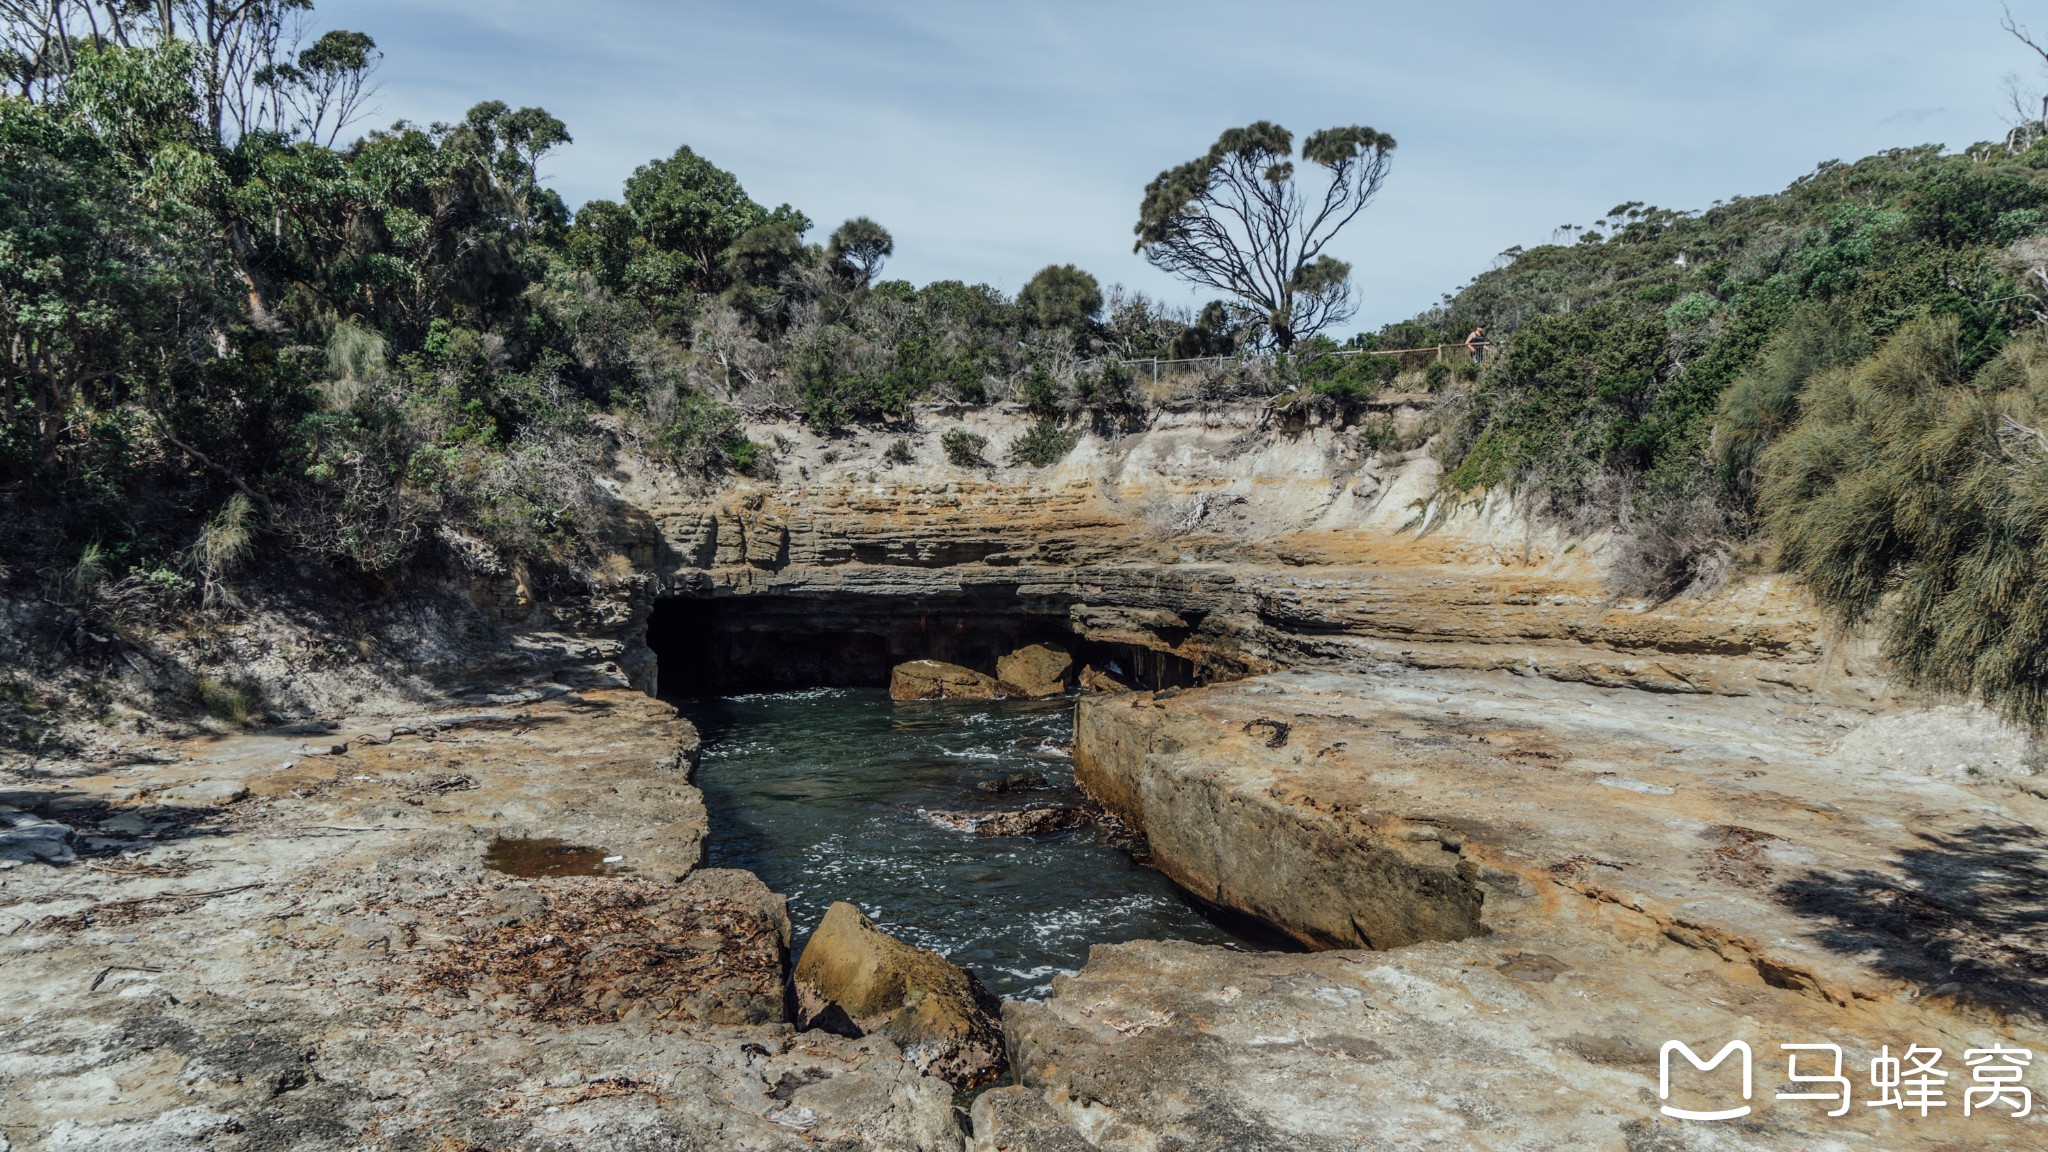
994, 138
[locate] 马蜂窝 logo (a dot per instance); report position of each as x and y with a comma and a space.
1911, 1082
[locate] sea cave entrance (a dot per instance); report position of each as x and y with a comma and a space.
820, 784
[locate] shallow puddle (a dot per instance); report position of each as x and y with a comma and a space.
546, 857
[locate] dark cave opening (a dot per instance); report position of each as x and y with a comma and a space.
721, 645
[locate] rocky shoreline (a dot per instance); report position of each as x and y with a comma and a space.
1533, 832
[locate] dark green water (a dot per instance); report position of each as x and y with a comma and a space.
819, 792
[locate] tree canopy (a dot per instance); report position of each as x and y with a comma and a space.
858, 248
1238, 220
1061, 296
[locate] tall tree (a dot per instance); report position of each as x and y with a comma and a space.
326, 86
1237, 220
1061, 296
689, 208
858, 248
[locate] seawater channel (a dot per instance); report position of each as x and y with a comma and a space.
827, 794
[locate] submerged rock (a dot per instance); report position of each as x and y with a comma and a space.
1023, 822
1035, 670
938, 680
1014, 782
856, 978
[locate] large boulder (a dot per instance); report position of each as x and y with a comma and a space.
938, 680
26, 837
1036, 670
856, 978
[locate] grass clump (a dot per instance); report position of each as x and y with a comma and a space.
238, 702
898, 451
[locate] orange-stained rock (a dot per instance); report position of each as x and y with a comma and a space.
855, 977
1035, 670
1097, 680
938, 680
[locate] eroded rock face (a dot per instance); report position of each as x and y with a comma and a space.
1262, 837
1209, 538
855, 977
936, 680
1035, 670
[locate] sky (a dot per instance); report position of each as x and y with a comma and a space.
992, 139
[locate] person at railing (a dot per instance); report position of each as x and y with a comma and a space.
1475, 343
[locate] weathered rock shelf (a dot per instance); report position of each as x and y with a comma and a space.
1533, 830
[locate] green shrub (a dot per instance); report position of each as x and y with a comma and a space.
1113, 391
1436, 375
1378, 434
1044, 443
1041, 392
702, 436
898, 451
965, 448
1914, 492
1761, 402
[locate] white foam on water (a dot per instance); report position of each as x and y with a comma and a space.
979, 752
795, 694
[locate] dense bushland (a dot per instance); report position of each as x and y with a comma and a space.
1840, 370
228, 339
1914, 489
405, 349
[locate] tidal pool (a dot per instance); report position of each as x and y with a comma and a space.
819, 792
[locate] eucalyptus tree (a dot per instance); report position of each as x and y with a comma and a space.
325, 87
857, 249
1239, 220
